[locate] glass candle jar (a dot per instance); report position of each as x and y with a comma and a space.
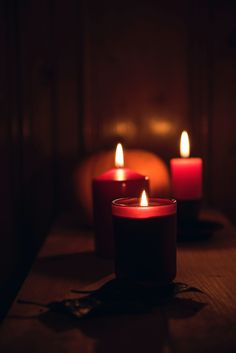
145, 240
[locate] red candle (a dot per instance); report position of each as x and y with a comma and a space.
186, 173
145, 239
115, 183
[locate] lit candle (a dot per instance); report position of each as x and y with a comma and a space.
117, 182
186, 173
145, 239
186, 176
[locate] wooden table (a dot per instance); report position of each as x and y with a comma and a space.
193, 322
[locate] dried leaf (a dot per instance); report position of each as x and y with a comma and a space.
116, 297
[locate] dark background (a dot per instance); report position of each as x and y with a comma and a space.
75, 76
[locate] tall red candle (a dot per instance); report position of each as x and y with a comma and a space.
115, 183
186, 173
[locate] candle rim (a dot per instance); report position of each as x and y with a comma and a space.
186, 160
157, 207
106, 177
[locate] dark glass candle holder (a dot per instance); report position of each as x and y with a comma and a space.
145, 240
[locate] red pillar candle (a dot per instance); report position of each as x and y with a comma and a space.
145, 239
115, 183
186, 173
186, 177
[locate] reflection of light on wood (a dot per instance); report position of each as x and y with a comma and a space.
125, 128
120, 128
184, 145
161, 127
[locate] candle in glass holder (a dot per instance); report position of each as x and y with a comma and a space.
186, 178
115, 183
145, 239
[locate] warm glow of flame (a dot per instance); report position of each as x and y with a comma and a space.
184, 145
119, 158
143, 199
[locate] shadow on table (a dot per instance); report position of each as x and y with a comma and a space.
135, 333
207, 235
82, 266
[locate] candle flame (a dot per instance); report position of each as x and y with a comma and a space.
184, 145
119, 157
144, 199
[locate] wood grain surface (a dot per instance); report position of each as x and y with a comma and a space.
192, 322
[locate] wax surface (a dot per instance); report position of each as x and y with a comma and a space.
120, 174
186, 177
130, 208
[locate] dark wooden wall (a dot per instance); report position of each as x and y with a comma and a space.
222, 112
41, 100
76, 76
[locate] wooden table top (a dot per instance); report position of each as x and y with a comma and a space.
192, 322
